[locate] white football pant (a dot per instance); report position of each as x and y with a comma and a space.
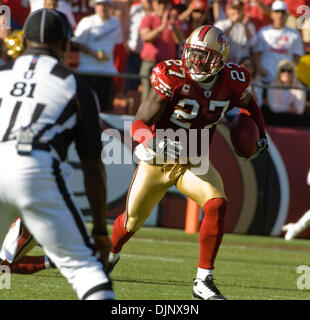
34, 188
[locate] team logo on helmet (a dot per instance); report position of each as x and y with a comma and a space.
222, 39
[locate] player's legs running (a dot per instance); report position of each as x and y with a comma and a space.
149, 185
17, 243
208, 191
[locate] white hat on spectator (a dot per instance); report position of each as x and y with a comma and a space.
279, 5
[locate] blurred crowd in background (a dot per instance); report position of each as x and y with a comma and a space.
116, 43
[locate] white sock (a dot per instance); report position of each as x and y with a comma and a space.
203, 273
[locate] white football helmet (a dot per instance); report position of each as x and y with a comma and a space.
204, 52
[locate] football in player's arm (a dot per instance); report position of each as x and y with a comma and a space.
192, 93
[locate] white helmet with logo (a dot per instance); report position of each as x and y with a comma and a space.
204, 52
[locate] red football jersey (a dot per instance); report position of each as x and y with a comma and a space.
191, 106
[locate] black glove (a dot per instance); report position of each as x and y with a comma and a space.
170, 150
262, 145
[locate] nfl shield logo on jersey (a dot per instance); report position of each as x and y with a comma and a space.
208, 93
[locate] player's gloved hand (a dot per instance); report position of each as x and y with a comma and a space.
166, 148
262, 145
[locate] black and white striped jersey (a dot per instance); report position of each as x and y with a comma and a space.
38, 92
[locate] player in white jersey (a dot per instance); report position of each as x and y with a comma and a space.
44, 107
292, 230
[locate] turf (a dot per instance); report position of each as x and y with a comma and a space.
160, 264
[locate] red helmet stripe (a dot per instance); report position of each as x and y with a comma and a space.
203, 32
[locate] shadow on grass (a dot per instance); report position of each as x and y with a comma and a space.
155, 282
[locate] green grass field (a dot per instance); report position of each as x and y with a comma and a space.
160, 264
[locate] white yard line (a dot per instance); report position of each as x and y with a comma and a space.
196, 244
148, 257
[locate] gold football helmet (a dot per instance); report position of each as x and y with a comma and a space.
204, 52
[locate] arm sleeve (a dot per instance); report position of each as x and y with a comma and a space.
160, 82
81, 32
88, 141
141, 132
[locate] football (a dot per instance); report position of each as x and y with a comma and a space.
244, 135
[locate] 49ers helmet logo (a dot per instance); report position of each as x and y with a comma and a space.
222, 39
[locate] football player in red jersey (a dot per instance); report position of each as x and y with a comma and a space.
192, 93
17, 243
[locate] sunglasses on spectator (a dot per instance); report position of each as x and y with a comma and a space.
286, 70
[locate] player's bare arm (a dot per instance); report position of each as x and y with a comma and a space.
151, 108
148, 114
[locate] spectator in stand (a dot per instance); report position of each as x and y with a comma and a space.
50, 4
256, 91
219, 10
185, 11
81, 9
61, 5
161, 33
276, 42
120, 10
133, 41
258, 11
198, 17
36, 5
193, 17
64, 6
239, 30
289, 100
96, 37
